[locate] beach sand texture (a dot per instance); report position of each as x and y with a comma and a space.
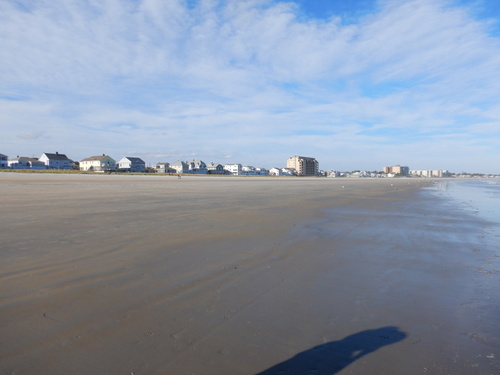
210, 275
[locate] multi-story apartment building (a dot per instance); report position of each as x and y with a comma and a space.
397, 170
429, 173
303, 165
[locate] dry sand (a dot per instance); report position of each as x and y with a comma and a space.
154, 275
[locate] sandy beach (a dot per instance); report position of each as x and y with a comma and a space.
111, 274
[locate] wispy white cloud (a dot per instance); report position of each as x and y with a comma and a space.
250, 80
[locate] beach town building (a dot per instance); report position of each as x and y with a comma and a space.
180, 166
215, 168
397, 170
164, 168
23, 162
4, 161
234, 169
101, 163
197, 167
429, 173
56, 161
275, 172
249, 170
333, 173
132, 164
303, 165
280, 172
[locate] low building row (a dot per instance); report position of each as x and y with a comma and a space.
197, 166
105, 163
101, 163
46, 161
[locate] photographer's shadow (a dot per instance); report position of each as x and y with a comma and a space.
332, 357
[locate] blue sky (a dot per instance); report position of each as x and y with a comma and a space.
358, 84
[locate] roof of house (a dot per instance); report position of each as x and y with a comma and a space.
100, 157
178, 163
23, 158
26, 159
133, 159
197, 163
56, 156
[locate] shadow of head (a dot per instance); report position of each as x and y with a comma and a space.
330, 358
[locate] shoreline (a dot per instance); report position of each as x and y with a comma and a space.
214, 276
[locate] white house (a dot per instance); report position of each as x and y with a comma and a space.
197, 167
164, 168
132, 164
180, 167
22, 162
253, 171
4, 161
280, 172
101, 163
56, 161
333, 173
275, 172
234, 169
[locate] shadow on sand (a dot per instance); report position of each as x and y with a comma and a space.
330, 358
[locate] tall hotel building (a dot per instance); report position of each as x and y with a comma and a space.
303, 165
397, 169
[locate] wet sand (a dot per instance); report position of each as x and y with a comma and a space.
154, 275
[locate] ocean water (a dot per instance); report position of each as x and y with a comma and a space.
476, 197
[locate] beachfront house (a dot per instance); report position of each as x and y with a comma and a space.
180, 166
333, 173
4, 161
101, 163
215, 168
164, 168
131, 164
23, 162
281, 172
56, 161
197, 167
274, 172
234, 169
249, 170
287, 172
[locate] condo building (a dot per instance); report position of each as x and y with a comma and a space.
303, 165
397, 170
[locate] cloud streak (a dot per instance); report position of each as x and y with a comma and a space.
254, 81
